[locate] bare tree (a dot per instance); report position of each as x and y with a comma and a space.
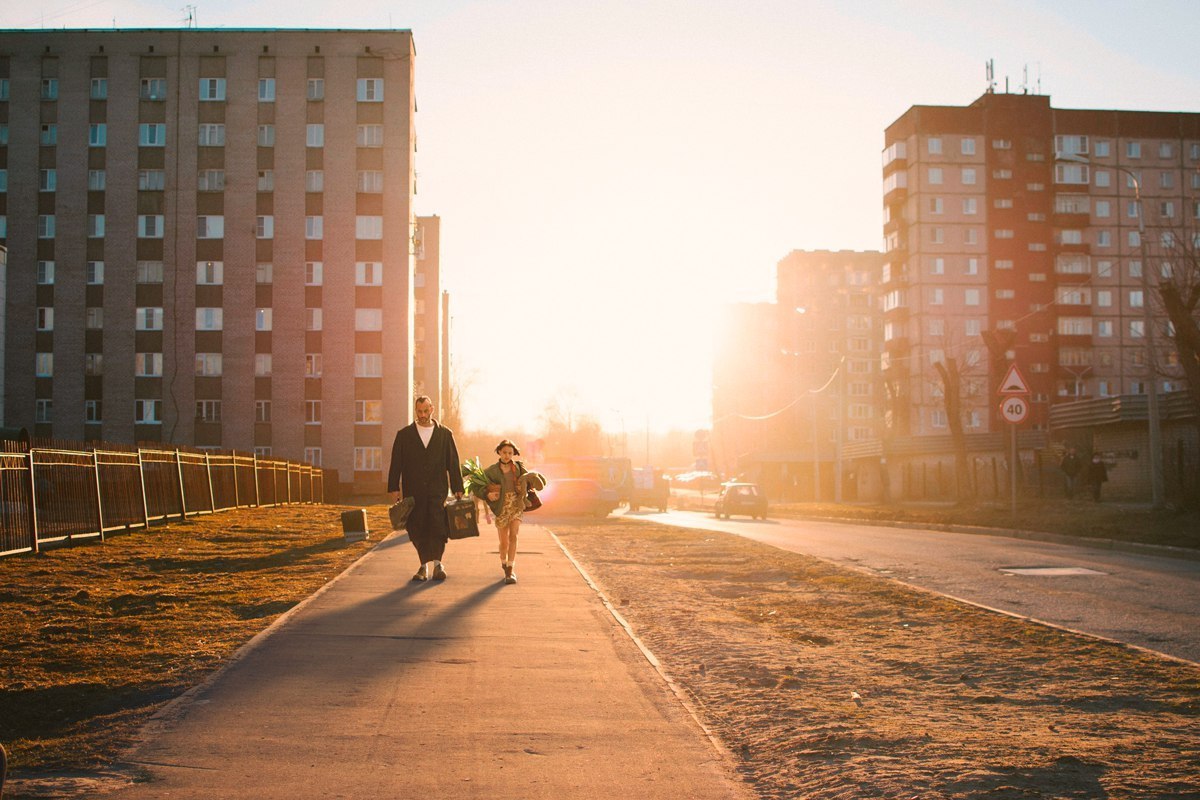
1178, 290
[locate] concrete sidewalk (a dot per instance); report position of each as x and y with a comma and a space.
382, 688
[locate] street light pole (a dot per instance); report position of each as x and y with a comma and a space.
1157, 490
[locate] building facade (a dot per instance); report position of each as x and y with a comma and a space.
797, 380
210, 239
428, 322
1012, 234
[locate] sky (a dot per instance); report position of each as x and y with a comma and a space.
610, 174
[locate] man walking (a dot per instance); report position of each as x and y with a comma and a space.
1071, 466
425, 467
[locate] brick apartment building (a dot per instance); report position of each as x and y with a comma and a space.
1014, 224
796, 380
210, 240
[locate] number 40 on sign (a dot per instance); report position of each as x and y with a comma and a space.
1014, 409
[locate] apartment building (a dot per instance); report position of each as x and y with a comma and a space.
1012, 234
428, 320
210, 239
796, 380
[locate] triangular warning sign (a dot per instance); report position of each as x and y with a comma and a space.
1014, 382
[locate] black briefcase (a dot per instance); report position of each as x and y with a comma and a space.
399, 512
462, 521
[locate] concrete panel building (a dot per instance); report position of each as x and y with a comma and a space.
210, 238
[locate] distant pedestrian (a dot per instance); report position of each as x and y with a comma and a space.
509, 483
1071, 465
425, 467
1096, 476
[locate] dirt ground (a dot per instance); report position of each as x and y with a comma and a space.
829, 683
822, 681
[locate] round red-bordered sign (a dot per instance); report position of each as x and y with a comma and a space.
1014, 409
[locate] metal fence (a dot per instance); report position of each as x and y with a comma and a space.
60, 496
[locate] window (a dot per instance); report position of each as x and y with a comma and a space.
152, 134
314, 180
45, 229
208, 411
370, 136
1071, 145
210, 318
150, 226
45, 318
1135, 239
99, 90
312, 365
211, 134
149, 272
1166, 180
262, 365
264, 227
368, 459
936, 327
208, 365
93, 273
1135, 298
1070, 237
1137, 329
43, 365
49, 88
368, 227
969, 176
1166, 209
314, 135
1104, 238
1102, 149
971, 236
1104, 269
368, 412
93, 318
971, 297
935, 175
316, 89
93, 364
1071, 174
937, 236
147, 365
1104, 298
262, 410
152, 180
936, 296
1073, 296
97, 134
370, 90
4, 88
1133, 149
368, 365
211, 180
266, 135
967, 146
939, 266
314, 319
368, 319
1103, 179
1004, 233
312, 412
47, 180
972, 266
49, 135
1103, 209
43, 411
147, 412
370, 181
933, 145
45, 273
210, 273
212, 90
1002, 174
210, 227
266, 180
1104, 328
935, 205
314, 227
262, 319
263, 273
262, 451
312, 455
153, 89
95, 226
970, 205
313, 273
1075, 326
266, 90
96, 180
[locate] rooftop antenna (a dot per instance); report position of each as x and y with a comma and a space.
189, 19
991, 75
1025, 79
1039, 77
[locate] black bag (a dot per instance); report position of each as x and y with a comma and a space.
532, 501
461, 519
399, 512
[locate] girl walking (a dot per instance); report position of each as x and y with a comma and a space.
508, 484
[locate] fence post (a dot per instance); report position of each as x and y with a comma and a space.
33, 520
182, 494
142, 478
237, 498
212, 497
257, 499
99, 501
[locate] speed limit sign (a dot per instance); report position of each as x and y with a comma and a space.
1014, 409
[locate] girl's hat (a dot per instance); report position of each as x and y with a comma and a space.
506, 443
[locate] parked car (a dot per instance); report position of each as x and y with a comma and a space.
577, 496
741, 498
650, 488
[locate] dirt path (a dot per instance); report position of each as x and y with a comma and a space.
832, 684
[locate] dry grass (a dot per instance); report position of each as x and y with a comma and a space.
828, 683
94, 639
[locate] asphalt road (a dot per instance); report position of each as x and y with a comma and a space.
1148, 601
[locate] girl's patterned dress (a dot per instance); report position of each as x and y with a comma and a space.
514, 501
